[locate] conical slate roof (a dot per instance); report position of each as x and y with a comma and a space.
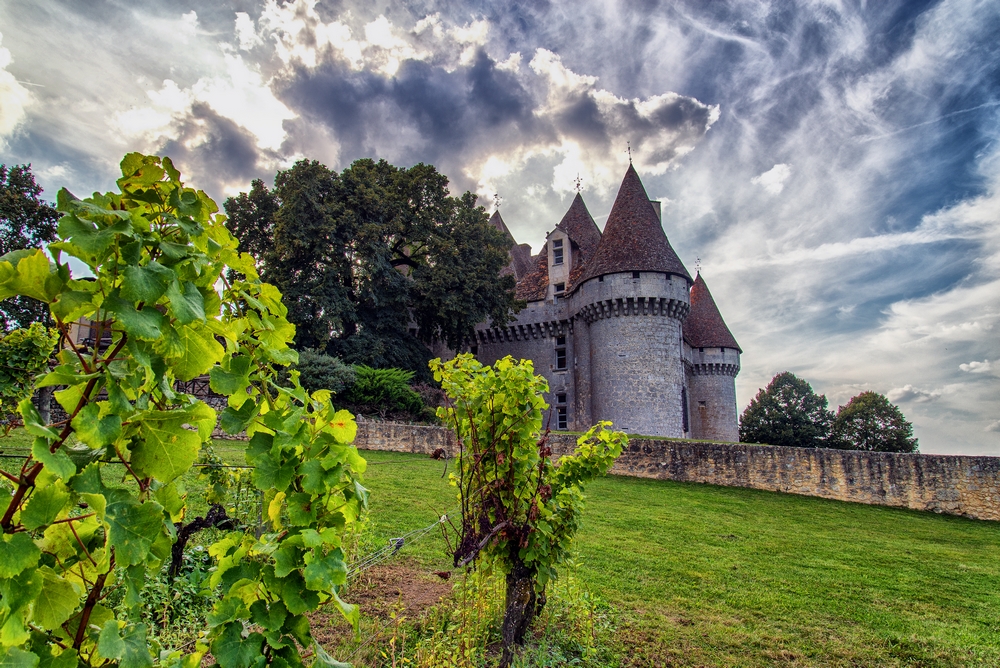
581, 228
496, 220
633, 238
520, 254
704, 326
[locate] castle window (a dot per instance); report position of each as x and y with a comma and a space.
600, 279
684, 410
560, 358
562, 423
702, 404
560, 340
701, 350
474, 350
560, 398
557, 251
635, 274
560, 290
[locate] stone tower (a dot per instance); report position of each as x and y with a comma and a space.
628, 307
712, 360
605, 324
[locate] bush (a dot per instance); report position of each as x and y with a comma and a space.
384, 391
24, 353
318, 371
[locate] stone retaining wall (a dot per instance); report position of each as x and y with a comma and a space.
957, 485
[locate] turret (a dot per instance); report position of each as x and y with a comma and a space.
628, 303
712, 358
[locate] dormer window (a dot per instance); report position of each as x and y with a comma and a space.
557, 251
560, 290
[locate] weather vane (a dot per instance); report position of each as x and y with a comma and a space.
697, 265
578, 181
496, 201
628, 150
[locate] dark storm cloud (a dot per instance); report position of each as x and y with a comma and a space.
222, 152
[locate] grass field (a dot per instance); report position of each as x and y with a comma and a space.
698, 575
702, 575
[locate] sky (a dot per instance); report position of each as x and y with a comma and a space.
832, 167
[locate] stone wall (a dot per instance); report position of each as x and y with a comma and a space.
957, 485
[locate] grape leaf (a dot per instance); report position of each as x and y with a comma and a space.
45, 505
136, 653
165, 449
97, 432
13, 657
132, 527
17, 552
110, 643
232, 650
58, 462
146, 284
57, 601
186, 302
146, 324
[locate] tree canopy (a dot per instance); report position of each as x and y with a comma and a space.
787, 412
871, 422
376, 261
25, 222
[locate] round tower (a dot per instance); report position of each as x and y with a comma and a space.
712, 358
632, 297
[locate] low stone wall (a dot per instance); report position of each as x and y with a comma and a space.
957, 485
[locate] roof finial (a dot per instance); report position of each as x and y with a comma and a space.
578, 181
697, 265
496, 201
628, 150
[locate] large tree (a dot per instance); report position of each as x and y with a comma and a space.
376, 261
25, 222
871, 422
787, 412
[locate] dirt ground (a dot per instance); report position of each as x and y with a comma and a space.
379, 591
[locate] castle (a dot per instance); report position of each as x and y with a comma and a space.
618, 328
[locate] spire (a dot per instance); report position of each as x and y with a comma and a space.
704, 326
496, 220
581, 228
633, 238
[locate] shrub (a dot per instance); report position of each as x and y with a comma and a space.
24, 353
318, 371
384, 391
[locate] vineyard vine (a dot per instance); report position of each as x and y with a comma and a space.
72, 530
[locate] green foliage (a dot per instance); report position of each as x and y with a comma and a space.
24, 353
250, 217
159, 255
361, 253
518, 508
870, 421
787, 412
384, 391
318, 371
25, 222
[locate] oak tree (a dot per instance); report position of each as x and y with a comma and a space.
787, 412
871, 422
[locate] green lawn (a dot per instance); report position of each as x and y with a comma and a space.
712, 576
704, 575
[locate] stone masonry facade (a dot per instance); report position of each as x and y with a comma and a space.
619, 328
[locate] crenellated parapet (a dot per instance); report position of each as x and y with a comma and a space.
634, 306
525, 331
713, 369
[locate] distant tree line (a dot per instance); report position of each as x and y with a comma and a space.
788, 412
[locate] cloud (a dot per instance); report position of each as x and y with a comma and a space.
773, 180
993, 426
13, 97
977, 367
908, 393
